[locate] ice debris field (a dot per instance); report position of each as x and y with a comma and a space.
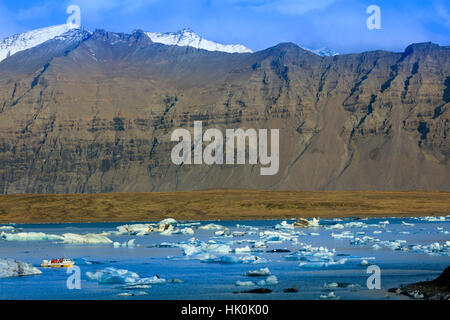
276, 259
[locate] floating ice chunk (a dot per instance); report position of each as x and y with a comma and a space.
270, 281
377, 232
167, 221
329, 296
13, 268
336, 226
7, 228
239, 226
30, 236
433, 219
407, 224
89, 238
386, 222
343, 235
126, 244
259, 273
245, 283
212, 226
364, 263
245, 249
111, 275
187, 231
134, 229
284, 225
155, 280
376, 247
259, 245
331, 285
314, 234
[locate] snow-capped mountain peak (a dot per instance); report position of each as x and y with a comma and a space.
323, 52
30, 39
188, 38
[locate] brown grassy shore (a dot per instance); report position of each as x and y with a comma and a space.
219, 205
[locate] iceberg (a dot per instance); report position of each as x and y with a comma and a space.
245, 249
127, 244
89, 238
212, 226
245, 283
13, 268
259, 273
270, 281
112, 275
30, 236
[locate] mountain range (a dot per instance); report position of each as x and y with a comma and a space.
88, 112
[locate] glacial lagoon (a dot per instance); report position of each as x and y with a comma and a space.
222, 259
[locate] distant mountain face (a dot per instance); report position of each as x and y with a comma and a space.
93, 112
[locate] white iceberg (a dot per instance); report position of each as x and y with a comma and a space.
30, 236
259, 273
270, 281
13, 268
126, 244
245, 283
89, 238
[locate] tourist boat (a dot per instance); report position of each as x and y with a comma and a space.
57, 263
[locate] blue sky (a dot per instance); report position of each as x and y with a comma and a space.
258, 24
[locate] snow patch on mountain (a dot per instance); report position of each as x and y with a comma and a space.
188, 38
323, 52
30, 39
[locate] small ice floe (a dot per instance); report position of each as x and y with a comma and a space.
284, 225
343, 235
314, 234
223, 233
386, 222
128, 294
333, 285
335, 226
269, 281
321, 263
89, 238
112, 275
329, 296
276, 236
243, 250
134, 229
377, 232
212, 226
376, 247
7, 228
259, 245
126, 244
167, 221
13, 268
434, 219
250, 228
245, 283
259, 273
434, 249
364, 263
407, 224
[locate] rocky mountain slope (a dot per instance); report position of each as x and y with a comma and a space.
93, 112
